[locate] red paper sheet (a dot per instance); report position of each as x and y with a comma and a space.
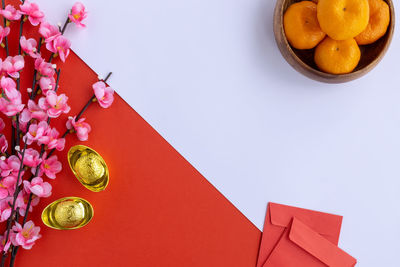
157, 210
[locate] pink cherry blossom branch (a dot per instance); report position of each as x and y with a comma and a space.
21, 28
14, 249
16, 192
65, 25
33, 94
64, 28
53, 150
15, 130
58, 72
91, 100
3, 5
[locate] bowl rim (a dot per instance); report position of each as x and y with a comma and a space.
315, 74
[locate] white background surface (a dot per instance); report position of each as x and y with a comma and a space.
208, 76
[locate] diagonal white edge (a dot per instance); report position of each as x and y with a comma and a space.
207, 75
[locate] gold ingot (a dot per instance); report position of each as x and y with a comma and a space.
67, 213
88, 167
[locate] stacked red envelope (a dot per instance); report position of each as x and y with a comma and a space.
295, 237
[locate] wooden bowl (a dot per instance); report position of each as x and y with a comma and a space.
303, 60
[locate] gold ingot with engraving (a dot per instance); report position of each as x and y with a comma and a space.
68, 213
88, 167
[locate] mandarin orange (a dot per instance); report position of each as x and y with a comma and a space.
343, 19
379, 19
301, 25
337, 57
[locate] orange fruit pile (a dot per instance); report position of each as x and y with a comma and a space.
336, 28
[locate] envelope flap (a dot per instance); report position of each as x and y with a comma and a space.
325, 224
318, 246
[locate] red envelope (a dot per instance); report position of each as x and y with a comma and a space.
301, 246
279, 218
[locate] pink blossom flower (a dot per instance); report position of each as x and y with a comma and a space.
60, 45
31, 158
31, 10
10, 166
12, 103
4, 32
22, 124
105, 95
10, 90
38, 187
81, 127
33, 111
11, 108
3, 246
47, 84
7, 186
50, 167
2, 124
7, 83
29, 46
3, 144
25, 236
35, 132
78, 14
12, 65
5, 210
54, 104
44, 68
12, 94
51, 140
48, 31
10, 13
22, 202
25, 117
